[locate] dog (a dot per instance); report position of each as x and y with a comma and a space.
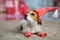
32, 22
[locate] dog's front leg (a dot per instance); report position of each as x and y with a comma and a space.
39, 32
26, 30
27, 34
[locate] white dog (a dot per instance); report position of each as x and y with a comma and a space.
31, 24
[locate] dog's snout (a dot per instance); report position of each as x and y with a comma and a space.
25, 15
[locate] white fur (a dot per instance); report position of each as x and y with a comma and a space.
30, 25
30, 19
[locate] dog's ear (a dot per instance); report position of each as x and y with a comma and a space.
40, 22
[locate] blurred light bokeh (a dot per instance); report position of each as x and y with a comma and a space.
34, 4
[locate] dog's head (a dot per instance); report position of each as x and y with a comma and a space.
31, 16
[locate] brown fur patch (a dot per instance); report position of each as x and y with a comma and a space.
35, 17
40, 22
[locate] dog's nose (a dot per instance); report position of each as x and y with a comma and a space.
25, 15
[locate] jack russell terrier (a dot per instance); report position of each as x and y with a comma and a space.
32, 22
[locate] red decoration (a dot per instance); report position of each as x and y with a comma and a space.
41, 11
23, 9
11, 10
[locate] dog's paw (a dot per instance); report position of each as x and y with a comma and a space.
27, 34
44, 34
41, 34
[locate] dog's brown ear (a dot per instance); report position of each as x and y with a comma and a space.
40, 22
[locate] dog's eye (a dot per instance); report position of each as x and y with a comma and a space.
32, 13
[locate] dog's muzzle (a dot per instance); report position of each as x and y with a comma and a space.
25, 16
